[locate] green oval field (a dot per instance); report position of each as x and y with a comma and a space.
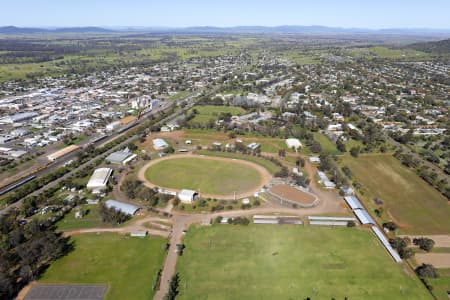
206, 175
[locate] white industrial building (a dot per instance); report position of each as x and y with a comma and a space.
187, 196
99, 178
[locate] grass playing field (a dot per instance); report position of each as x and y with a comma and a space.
208, 112
418, 207
286, 262
270, 166
128, 265
203, 174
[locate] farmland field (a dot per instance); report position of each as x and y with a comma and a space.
286, 262
411, 202
127, 265
211, 176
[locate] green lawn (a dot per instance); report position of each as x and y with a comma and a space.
208, 112
270, 166
127, 265
415, 205
91, 220
440, 286
289, 262
204, 175
327, 145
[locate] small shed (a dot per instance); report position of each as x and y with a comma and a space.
187, 196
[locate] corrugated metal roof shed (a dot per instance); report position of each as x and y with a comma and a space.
315, 218
126, 208
363, 216
353, 202
328, 223
386, 244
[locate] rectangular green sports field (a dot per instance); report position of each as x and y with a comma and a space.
290, 262
127, 265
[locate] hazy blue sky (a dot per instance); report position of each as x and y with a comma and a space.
180, 13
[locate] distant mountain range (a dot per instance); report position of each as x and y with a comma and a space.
32, 30
237, 29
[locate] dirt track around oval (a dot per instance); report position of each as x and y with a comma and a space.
264, 174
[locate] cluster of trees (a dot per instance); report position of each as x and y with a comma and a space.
112, 215
173, 288
135, 189
424, 172
239, 221
426, 271
424, 243
327, 164
25, 251
401, 245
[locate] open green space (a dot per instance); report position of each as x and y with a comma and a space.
327, 145
440, 286
90, 220
416, 206
270, 166
287, 262
388, 53
211, 112
204, 175
127, 265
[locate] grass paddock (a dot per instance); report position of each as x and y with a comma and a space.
290, 262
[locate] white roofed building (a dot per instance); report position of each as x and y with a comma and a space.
123, 207
187, 196
99, 178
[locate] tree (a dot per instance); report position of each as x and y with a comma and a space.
173, 287
341, 146
169, 150
424, 243
390, 225
354, 151
426, 271
315, 147
132, 146
111, 215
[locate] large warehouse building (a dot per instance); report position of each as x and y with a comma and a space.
99, 178
120, 157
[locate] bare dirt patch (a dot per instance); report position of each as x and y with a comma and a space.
292, 194
438, 260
